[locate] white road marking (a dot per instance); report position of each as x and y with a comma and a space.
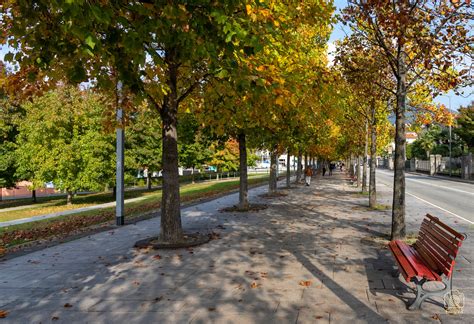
427, 202
445, 210
434, 185
442, 187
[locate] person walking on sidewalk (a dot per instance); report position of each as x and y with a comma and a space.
308, 173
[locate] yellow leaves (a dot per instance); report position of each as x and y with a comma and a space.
280, 101
248, 8
261, 68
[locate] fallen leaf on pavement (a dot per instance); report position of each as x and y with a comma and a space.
435, 317
254, 285
157, 257
54, 318
305, 283
67, 305
3, 313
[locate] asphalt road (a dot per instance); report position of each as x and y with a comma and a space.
454, 198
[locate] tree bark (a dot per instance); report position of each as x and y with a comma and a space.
364, 160
298, 169
243, 188
33, 195
171, 228
358, 170
373, 156
69, 197
148, 180
288, 169
398, 207
272, 184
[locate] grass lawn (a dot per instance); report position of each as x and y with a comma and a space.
63, 226
51, 205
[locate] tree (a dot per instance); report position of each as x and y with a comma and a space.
61, 141
194, 144
359, 64
143, 142
465, 125
421, 41
161, 50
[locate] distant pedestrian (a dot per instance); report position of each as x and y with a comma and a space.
324, 170
332, 166
341, 166
308, 173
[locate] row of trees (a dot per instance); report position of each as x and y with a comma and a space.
65, 136
239, 67
252, 71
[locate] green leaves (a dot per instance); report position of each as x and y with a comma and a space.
90, 41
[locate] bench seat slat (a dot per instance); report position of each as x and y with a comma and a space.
427, 240
448, 246
420, 267
430, 256
436, 220
404, 266
450, 239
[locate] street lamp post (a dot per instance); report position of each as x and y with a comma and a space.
450, 140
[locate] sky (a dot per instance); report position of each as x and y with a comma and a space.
450, 99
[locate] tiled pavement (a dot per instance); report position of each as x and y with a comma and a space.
309, 258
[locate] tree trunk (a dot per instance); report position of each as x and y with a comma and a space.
288, 169
364, 160
272, 184
358, 170
243, 188
398, 207
114, 192
373, 156
69, 198
33, 195
305, 161
148, 180
171, 229
298, 169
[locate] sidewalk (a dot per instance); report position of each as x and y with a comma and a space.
308, 258
63, 213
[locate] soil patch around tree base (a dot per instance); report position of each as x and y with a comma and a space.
250, 208
189, 240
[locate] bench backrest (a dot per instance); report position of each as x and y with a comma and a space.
438, 245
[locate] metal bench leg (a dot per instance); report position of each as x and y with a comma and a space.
422, 294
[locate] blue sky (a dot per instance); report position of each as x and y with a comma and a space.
447, 99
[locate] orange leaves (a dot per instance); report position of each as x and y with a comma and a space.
254, 285
3, 313
305, 283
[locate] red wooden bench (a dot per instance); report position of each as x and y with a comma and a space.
431, 258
